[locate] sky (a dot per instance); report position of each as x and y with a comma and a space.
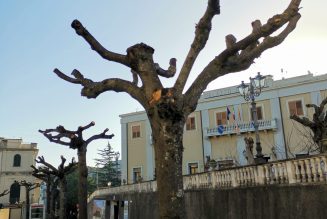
36, 37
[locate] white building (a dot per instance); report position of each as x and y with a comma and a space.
16, 159
281, 137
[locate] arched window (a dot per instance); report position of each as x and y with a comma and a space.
14, 193
17, 159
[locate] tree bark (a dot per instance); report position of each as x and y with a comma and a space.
27, 204
48, 199
82, 188
53, 199
63, 192
168, 146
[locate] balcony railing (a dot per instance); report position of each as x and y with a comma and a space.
309, 170
241, 126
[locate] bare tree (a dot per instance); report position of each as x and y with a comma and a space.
61, 172
299, 139
43, 173
168, 107
318, 124
75, 140
28, 187
5, 192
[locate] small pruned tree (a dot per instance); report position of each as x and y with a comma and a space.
43, 173
28, 187
75, 140
168, 107
318, 124
61, 173
5, 192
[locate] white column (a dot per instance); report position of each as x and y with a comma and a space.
240, 146
279, 133
124, 152
149, 151
315, 97
205, 139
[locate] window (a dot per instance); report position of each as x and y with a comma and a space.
190, 123
136, 131
259, 113
295, 107
17, 160
221, 118
14, 193
192, 168
137, 175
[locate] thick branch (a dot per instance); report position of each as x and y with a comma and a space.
82, 128
202, 32
323, 103
96, 46
247, 56
240, 55
28, 185
100, 136
41, 172
304, 121
93, 89
70, 167
45, 172
41, 160
55, 139
167, 73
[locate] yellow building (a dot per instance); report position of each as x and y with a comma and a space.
16, 159
209, 133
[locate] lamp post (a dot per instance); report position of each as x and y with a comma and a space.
249, 92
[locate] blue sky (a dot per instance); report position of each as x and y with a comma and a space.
36, 37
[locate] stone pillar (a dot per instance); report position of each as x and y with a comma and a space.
124, 152
205, 139
315, 97
279, 143
149, 152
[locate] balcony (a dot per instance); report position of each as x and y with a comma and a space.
241, 127
304, 171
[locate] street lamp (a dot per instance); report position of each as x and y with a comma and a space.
249, 92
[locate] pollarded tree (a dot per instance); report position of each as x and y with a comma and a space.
43, 173
318, 124
168, 107
28, 187
75, 140
61, 174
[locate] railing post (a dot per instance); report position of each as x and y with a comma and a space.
324, 160
234, 178
260, 175
319, 169
303, 179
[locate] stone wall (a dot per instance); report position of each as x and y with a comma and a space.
269, 202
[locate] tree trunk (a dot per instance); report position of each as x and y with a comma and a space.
53, 199
63, 190
48, 206
82, 188
27, 203
168, 146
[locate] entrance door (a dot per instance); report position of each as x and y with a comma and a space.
14, 193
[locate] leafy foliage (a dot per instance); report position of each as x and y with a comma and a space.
108, 167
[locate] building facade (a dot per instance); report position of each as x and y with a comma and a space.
216, 129
16, 159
